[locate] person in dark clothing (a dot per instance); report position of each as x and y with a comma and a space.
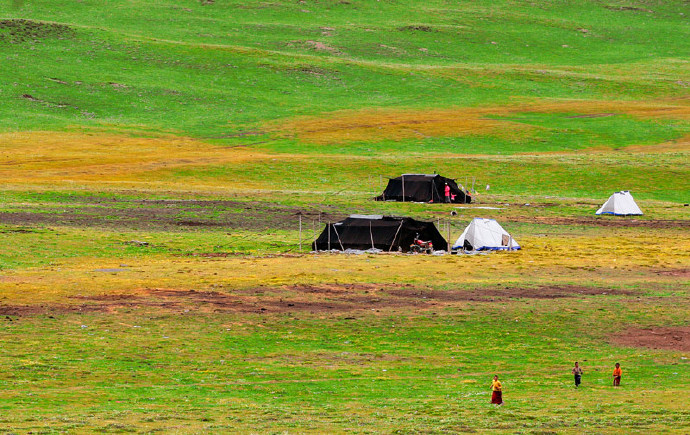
577, 372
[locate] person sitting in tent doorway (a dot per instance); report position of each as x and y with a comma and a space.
447, 192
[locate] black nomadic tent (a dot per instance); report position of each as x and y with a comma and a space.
423, 188
380, 232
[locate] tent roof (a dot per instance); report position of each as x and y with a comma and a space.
421, 177
366, 216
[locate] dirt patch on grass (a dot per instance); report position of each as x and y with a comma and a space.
314, 299
498, 293
676, 273
21, 31
320, 46
11, 312
169, 215
672, 338
605, 221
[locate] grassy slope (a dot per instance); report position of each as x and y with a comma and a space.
475, 89
238, 68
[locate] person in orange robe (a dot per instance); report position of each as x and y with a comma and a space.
497, 391
617, 373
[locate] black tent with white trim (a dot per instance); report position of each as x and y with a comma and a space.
423, 188
386, 233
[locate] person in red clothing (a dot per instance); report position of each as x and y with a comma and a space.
446, 190
497, 391
617, 373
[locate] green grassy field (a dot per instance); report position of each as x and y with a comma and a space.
155, 157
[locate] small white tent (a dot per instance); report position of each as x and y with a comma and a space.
620, 204
485, 234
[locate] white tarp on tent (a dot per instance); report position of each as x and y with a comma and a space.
620, 204
486, 234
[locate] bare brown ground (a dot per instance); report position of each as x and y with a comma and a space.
159, 215
226, 215
333, 298
679, 273
676, 338
604, 221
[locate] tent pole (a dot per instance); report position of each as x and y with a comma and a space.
403, 184
381, 186
371, 236
300, 232
329, 235
396, 235
338, 236
448, 244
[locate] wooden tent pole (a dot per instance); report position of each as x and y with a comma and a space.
403, 187
371, 236
338, 236
329, 235
300, 232
383, 194
396, 235
448, 237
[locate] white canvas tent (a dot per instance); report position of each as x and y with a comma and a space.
620, 204
485, 234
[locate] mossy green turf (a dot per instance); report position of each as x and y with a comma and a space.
217, 71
